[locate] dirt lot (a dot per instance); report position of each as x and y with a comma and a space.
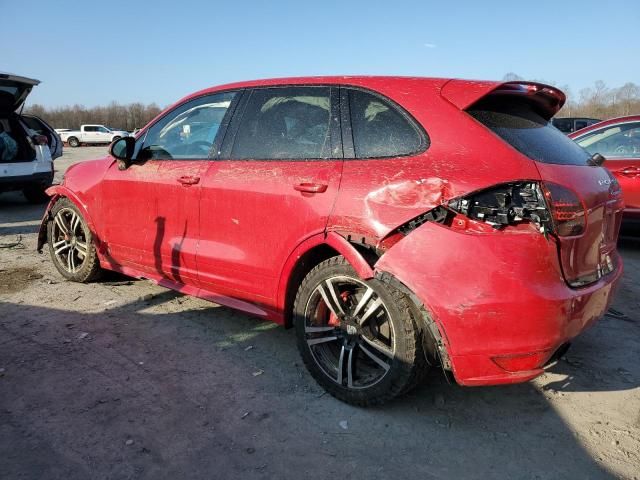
123, 379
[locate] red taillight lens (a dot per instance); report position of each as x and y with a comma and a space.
40, 140
567, 210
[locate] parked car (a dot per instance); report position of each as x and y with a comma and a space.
27, 143
573, 124
618, 140
395, 222
92, 134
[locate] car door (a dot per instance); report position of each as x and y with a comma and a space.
180, 146
273, 185
89, 133
150, 211
619, 143
43, 128
103, 135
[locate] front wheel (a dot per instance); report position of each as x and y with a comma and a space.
71, 243
73, 142
357, 338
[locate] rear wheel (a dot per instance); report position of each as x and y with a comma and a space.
358, 339
71, 243
73, 142
35, 193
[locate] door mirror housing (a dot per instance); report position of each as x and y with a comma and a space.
122, 150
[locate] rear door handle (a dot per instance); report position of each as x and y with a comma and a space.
187, 180
311, 187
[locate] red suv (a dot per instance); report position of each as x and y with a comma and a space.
397, 223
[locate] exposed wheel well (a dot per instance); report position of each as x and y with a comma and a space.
303, 266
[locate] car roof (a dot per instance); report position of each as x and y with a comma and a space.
358, 80
611, 121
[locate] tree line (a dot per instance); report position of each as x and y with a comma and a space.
598, 101
114, 115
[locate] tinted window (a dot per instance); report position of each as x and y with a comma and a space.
518, 124
90, 129
283, 123
581, 124
621, 140
189, 131
103, 130
379, 129
563, 124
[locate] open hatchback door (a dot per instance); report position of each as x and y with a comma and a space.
14, 90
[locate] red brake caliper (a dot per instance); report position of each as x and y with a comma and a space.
334, 321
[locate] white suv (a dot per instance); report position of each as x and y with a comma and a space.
27, 144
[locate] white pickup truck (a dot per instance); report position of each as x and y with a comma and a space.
91, 134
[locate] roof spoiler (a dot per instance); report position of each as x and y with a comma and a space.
463, 94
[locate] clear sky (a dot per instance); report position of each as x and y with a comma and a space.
93, 52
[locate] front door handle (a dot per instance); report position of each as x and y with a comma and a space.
188, 180
630, 171
311, 187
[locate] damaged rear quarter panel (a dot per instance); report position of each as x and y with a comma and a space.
499, 293
378, 195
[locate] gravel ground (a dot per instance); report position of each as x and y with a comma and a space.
124, 379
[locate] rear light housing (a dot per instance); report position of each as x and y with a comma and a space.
507, 204
551, 207
567, 210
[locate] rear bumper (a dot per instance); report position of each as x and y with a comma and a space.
499, 299
17, 182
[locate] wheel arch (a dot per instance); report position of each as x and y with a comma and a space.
57, 192
309, 254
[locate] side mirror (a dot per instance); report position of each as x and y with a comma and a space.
122, 150
596, 160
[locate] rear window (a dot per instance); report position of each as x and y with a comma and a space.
518, 124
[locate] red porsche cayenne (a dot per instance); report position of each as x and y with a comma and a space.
618, 140
397, 223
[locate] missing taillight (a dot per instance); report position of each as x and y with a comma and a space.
506, 204
551, 207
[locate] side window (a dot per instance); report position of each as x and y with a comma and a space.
187, 132
90, 129
580, 124
622, 140
565, 125
285, 123
103, 130
379, 129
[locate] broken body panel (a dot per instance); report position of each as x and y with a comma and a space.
499, 294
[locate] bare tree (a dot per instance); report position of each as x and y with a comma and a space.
125, 117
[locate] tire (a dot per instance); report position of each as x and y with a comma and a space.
73, 142
35, 194
77, 262
115, 139
358, 339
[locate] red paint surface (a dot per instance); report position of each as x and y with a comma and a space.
235, 236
